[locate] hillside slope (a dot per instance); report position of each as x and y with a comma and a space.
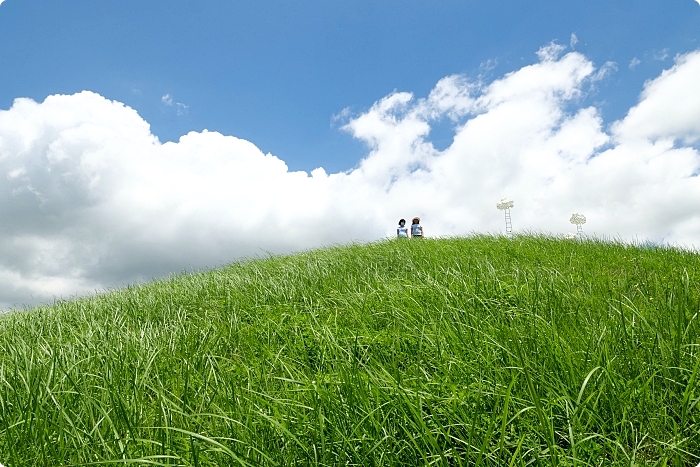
474, 351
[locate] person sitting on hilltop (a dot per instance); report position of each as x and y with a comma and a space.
402, 230
416, 229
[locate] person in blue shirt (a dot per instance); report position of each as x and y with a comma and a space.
416, 229
402, 230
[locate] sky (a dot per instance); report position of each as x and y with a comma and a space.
139, 139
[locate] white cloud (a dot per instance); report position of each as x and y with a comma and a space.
550, 52
342, 116
660, 55
669, 107
635, 62
91, 199
573, 41
604, 71
180, 108
488, 65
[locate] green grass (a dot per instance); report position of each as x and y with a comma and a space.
481, 351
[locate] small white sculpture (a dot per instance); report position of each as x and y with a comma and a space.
504, 205
579, 220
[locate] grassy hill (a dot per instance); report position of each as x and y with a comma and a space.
477, 351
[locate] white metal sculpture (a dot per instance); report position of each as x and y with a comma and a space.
570, 236
504, 205
578, 220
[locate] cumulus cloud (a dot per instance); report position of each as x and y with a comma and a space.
91, 199
669, 108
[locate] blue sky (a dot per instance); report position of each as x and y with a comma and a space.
437, 109
276, 72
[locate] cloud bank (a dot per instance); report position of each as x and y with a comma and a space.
90, 199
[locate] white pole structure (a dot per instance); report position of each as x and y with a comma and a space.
579, 220
504, 205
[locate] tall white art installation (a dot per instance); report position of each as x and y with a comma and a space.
504, 205
578, 220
